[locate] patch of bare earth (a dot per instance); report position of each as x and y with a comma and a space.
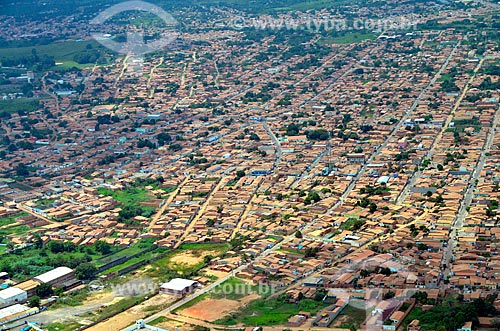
214, 309
190, 258
132, 314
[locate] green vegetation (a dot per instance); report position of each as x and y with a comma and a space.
352, 224
132, 250
159, 320
71, 300
11, 219
149, 256
348, 37
450, 314
239, 289
196, 250
74, 53
14, 230
353, 317
14, 105
130, 198
271, 312
66, 326
36, 259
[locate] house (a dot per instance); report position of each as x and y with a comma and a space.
414, 326
179, 287
356, 158
56, 277
12, 295
466, 327
296, 320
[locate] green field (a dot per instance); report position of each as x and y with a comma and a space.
31, 261
349, 37
352, 316
133, 249
11, 219
271, 312
63, 52
14, 230
129, 196
11, 106
192, 249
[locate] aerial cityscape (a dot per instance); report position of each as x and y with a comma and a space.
250, 165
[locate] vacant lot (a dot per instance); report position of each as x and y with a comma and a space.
270, 312
129, 316
190, 258
211, 310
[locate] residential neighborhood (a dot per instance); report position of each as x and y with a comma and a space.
251, 177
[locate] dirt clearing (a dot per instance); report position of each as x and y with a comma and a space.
213, 309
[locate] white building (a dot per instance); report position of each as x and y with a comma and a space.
12, 295
56, 277
179, 287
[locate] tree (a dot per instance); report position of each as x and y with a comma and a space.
44, 290
312, 196
298, 234
85, 271
496, 323
240, 173
254, 136
102, 247
22, 170
34, 301
372, 207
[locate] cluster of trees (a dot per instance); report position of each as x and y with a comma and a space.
145, 143
451, 314
374, 190
488, 84
89, 55
39, 258
312, 196
449, 86
107, 119
163, 138
108, 159
32, 61
366, 203
285, 101
293, 129
256, 97
129, 212
320, 134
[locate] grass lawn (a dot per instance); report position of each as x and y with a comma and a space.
159, 320
66, 326
71, 300
14, 230
233, 289
349, 37
61, 51
129, 262
352, 316
272, 312
12, 106
11, 219
129, 196
134, 249
191, 250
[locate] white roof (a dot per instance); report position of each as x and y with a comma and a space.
53, 274
15, 309
178, 284
10, 292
